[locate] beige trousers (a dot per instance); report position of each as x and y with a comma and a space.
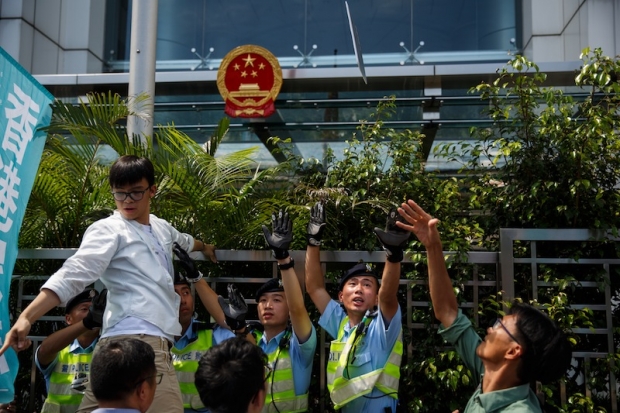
167, 395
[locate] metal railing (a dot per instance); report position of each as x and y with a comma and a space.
536, 258
489, 278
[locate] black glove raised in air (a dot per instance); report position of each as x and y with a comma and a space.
235, 309
94, 318
187, 264
282, 236
393, 239
316, 225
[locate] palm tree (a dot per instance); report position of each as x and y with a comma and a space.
198, 193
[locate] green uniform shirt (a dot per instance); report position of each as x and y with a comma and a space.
515, 399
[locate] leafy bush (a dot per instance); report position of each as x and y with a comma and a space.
547, 160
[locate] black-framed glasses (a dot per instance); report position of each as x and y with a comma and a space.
158, 378
134, 195
498, 323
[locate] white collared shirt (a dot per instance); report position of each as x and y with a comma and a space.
120, 253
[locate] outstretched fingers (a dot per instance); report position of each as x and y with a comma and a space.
418, 221
413, 212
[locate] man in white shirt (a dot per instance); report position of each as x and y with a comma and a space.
131, 252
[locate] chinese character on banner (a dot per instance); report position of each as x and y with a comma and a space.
24, 110
249, 80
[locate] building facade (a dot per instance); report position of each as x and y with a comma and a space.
425, 53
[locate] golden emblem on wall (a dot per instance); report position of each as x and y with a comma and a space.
249, 80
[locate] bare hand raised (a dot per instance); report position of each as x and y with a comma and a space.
420, 223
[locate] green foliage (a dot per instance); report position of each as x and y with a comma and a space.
197, 193
379, 169
548, 160
443, 374
579, 403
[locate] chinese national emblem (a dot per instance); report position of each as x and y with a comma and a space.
249, 80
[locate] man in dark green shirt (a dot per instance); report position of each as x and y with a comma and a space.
523, 346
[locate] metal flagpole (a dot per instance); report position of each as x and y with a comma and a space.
142, 66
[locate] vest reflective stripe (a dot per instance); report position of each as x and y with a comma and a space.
298, 404
185, 363
185, 376
50, 407
281, 382
343, 390
61, 397
388, 381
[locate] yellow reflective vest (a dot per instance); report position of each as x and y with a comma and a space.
344, 389
61, 398
280, 385
185, 363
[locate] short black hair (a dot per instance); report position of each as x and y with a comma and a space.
230, 374
119, 366
130, 169
547, 351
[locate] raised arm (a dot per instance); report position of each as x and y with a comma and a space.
192, 274
279, 241
425, 228
51, 346
209, 299
295, 300
315, 280
393, 240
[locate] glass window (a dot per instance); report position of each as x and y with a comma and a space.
451, 31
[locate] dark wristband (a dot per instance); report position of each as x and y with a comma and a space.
288, 265
394, 254
242, 333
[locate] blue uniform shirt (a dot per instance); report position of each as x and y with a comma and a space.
74, 348
219, 334
301, 357
371, 355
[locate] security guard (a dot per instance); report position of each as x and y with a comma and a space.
364, 361
64, 357
196, 336
290, 346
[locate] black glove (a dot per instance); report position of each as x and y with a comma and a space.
282, 235
255, 326
94, 318
393, 239
189, 266
316, 225
236, 308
